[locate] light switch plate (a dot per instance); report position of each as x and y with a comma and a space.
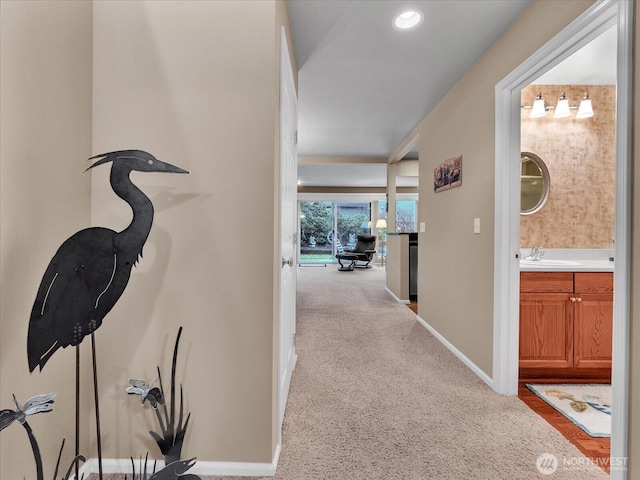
476, 225
423, 227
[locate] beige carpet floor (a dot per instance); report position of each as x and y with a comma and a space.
376, 396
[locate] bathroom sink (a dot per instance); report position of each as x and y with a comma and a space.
547, 262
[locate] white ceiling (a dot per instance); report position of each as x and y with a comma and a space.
593, 64
364, 86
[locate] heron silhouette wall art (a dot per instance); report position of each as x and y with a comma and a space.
90, 271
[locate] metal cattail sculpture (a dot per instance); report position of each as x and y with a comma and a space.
173, 429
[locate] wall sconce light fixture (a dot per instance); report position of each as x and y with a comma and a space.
562, 109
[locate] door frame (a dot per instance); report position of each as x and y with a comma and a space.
598, 18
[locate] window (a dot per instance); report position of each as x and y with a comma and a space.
406, 216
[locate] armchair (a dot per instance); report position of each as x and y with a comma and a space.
361, 256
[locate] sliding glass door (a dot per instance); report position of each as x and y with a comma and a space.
352, 220
316, 232
328, 227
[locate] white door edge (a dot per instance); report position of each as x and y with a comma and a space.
286, 356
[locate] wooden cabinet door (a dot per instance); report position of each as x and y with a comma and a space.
546, 330
592, 330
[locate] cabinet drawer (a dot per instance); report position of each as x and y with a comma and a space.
546, 282
594, 282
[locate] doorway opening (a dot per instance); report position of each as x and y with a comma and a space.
567, 216
596, 20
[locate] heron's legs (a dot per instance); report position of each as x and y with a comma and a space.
95, 394
77, 406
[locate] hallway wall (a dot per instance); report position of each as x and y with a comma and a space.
456, 266
182, 81
45, 124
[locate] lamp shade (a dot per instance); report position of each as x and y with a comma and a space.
381, 223
585, 110
562, 108
538, 109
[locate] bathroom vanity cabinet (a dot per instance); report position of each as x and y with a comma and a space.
566, 321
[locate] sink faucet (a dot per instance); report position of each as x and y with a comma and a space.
536, 254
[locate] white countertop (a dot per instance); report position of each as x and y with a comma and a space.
577, 260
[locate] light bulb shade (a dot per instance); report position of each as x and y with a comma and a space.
538, 109
381, 223
562, 108
585, 110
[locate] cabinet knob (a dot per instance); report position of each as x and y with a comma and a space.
579, 299
573, 299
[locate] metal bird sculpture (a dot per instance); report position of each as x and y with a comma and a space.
89, 273
172, 471
176, 471
90, 270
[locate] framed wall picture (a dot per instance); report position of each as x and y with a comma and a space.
448, 174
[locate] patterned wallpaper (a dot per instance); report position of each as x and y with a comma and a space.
580, 156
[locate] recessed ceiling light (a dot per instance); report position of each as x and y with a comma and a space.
408, 19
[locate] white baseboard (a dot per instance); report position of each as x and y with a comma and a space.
234, 469
239, 469
474, 368
399, 300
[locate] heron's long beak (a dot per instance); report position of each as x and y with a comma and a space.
161, 166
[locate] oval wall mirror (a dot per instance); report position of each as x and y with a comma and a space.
534, 183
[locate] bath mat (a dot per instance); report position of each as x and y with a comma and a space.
587, 405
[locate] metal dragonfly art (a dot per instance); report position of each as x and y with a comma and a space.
146, 392
37, 404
